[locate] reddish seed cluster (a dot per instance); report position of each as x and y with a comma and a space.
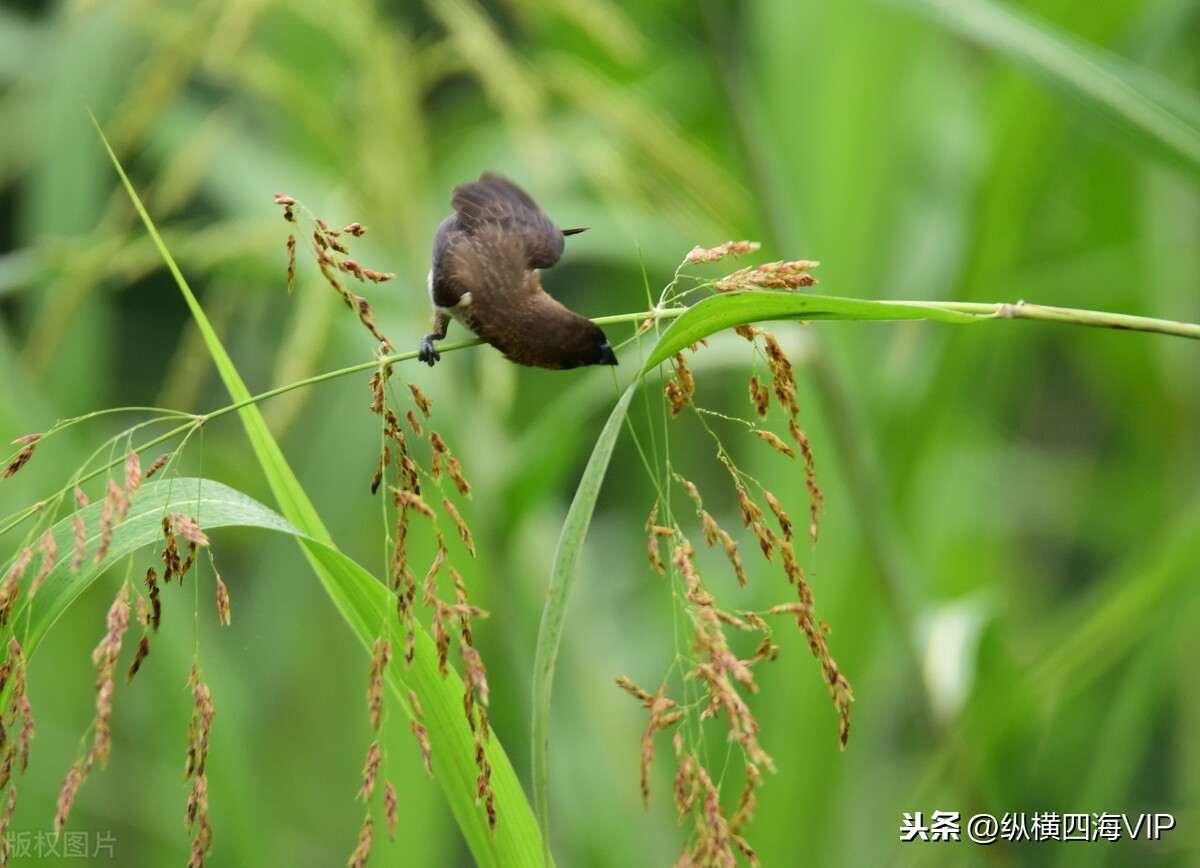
663, 714
10, 587
333, 256
681, 387
15, 751
422, 736
680, 390
381, 655
783, 386
358, 859
726, 676
657, 531
174, 526
289, 215
143, 648
351, 266
90, 539
716, 838
771, 275
199, 729
9, 807
224, 614
152, 617
409, 496
391, 808
105, 657
157, 465
370, 771
79, 530
180, 531
729, 248
106, 653
778, 445
28, 442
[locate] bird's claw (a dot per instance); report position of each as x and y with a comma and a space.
427, 353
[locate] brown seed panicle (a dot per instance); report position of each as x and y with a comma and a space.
199, 729
430, 493
663, 714
681, 387
27, 443
366, 833
391, 808
224, 613
10, 586
95, 535
333, 258
105, 658
370, 771
718, 663
772, 275
14, 752
724, 678
729, 248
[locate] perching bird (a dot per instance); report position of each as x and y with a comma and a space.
486, 258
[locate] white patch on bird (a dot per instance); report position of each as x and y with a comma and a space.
429, 283
464, 301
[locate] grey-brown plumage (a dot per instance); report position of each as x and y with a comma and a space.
486, 258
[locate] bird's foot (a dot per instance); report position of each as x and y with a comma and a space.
427, 353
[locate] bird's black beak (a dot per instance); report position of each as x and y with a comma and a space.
607, 356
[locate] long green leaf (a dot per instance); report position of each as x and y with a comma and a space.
562, 580
729, 309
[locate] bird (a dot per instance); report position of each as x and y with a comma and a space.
485, 274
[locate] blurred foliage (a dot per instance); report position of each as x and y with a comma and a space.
1011, 539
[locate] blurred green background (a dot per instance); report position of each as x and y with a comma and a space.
1010, 549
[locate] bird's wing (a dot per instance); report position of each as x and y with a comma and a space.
445, 286
494, 204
